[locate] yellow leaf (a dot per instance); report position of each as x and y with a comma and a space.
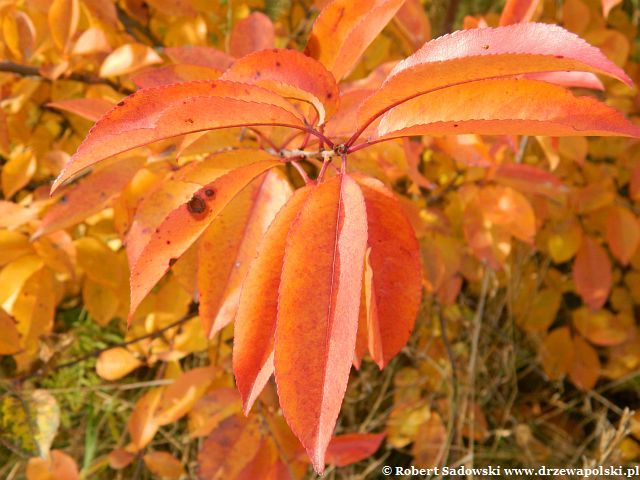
115, 363
63, 21
541, 310
100, 301
12, 246
182, 394
622, 233
565, 240
14, 276
10, 338
430, 439
19, 34
127, 59
99, 262
17, 172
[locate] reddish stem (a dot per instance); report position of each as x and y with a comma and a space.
302, 172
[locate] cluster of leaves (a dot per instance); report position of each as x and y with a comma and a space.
283, 188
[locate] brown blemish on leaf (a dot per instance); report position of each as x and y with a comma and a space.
120, 104
172, 261
196, 205
210, 192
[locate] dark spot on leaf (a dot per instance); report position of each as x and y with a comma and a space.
258, 74
209, 192
278, 64
120, 103
559, 56
189, 120
455, 124
486, 47
63, 199
196, 205
172, 261
329, 95
168, 242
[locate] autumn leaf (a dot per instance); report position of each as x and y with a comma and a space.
229, 245
345, 28
352, 447
592, 273
394, 259
622, 233
319, 295
255, 325
184, 225
251, 34
163, 112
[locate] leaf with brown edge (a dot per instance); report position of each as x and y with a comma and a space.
345, 28
622, 233
592, 273
394, 291
157, 113
290, 74
352, 447
89, 108
251, 34
89, 196
255, 322
230, 244
319, 298
184, 225
508, 106
229, 448
487, 53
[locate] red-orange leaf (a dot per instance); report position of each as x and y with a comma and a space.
229, 448
592, 273
89, 108
157, 113
255, 322
488, 53
509, 106
396, 283
516, 11
290, 74
353, 447
318, 304
184, 225
251, 34
200, 55
229, 245
345, 28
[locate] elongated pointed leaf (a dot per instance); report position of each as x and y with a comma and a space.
157, 113
89, 108
290, 74
510, 106
319, 297
169, 74
353, 447
184, 225
477, 54
396, 283
255, 323
230, 244
88, 196
345, 28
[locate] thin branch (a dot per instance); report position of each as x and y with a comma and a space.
156, 333
32, 71
302, 172
131, 25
